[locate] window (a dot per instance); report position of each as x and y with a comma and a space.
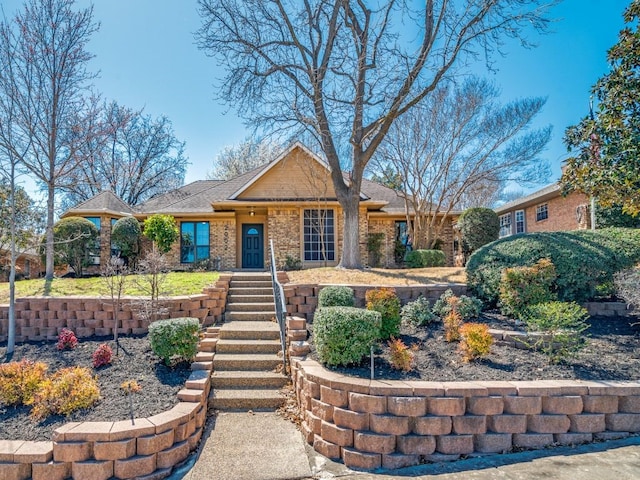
319, 235
94, 250
505, 225
520, 227
95, 221
194, 241
542, 212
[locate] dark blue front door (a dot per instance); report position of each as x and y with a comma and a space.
252, 246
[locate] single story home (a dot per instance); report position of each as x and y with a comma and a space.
290, 200
545, 210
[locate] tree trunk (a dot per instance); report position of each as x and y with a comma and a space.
49, 242
350, 256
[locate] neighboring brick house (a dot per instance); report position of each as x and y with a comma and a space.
545, 211
28, 265
290, 200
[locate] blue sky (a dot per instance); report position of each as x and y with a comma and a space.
147, 57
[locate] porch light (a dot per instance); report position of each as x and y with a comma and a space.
252, 212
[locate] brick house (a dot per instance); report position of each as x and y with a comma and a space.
545, 210
290, 200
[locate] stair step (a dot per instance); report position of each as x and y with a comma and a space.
249, 291
247, 379
242, 298
207, 345
248, 346
250, 284
251, 276
250, 330
252, 399
249, 316
235, 361
265, 307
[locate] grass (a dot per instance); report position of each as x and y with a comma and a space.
176, 283
379, 276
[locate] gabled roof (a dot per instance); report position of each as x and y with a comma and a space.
162, 202
106, 201
545, 193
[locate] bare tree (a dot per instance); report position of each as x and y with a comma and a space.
344, 70
458, 142
114, 276
238, 159
44, 72
152, 275
132, 154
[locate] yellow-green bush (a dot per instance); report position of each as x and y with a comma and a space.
521, 287
386, 302
19, 381
67, 390
475, 341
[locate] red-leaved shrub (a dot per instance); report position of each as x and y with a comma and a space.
102, 356
67, 340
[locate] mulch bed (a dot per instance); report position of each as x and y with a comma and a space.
612, 352
136, 361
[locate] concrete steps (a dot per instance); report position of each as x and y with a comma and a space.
247, 348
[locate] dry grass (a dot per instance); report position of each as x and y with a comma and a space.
378, 276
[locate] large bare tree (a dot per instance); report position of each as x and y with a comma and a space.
44, 72
130, 153
344, 70
459, 143
237, 159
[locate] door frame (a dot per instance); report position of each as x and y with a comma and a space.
244, 229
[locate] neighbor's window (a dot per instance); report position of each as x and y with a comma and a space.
319, 235
505, 225
542, 212
520, 227
194, 241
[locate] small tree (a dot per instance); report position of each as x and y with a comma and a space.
162, 230
74, 238
114, 275
478, 227
126, 236
152, 271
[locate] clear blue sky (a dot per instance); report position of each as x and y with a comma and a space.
147, 57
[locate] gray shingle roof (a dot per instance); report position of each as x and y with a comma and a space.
104, 201
543, 192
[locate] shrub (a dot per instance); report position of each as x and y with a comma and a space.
524, 286
478, 226
401, 356
161, 230
627, 284
19, 381
292, 263
417, 313
336, 296
452, 322
67, 390
175, 338
562, 323
374, 247
344, 335
67, 340
126, 236
102, 356
475, 341
468, 307
386, 302
75, 239
425, 259
583, 260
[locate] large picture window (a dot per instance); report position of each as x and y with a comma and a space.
319, 235
194, 241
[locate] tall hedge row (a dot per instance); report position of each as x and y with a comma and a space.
583, 260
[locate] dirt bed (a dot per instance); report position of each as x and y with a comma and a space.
612, 352
135, 361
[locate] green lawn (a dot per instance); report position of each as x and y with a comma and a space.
177, 283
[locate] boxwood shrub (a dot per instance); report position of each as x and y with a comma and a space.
425, 259
336, 296
583, 260
385, 301
344, 335
175, 338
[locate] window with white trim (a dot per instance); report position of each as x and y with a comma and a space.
505, 225
520, 225
542, 212
319, 235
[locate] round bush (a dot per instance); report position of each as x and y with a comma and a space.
74, 239
336, 296
418, 313
468, 307
425, 259
478, 227
344, 335
583, 259
385, 301
175, 338
126, 236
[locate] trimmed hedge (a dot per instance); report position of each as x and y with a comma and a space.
336, 296
583, 259
344, 335
425, 259
175, 338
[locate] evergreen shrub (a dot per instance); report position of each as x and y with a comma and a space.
336, 296
175, 338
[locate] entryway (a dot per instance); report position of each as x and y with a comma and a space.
252, 245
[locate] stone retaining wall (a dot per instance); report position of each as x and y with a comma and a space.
370, 424
42, 318
302, 299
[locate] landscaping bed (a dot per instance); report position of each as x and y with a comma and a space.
135, 361
612, 352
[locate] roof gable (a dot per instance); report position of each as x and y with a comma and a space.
105, 201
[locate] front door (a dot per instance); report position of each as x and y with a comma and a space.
252, 246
